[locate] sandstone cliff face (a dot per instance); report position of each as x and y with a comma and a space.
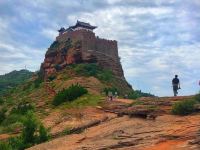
82, 46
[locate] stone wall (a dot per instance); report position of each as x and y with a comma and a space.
91, 47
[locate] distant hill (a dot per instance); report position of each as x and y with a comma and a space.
13, 79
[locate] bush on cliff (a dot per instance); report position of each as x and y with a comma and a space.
110, 89
33, 133
55, 44
22, 108
93, 70
69, 94
183, 107
2, 114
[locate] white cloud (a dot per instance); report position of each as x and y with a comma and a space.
156, 39
49, 33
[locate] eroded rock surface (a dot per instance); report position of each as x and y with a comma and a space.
164, 132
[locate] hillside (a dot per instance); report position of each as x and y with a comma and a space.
93, 122
40, 94
143, 124
13, 79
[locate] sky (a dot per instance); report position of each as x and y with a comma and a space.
156, 38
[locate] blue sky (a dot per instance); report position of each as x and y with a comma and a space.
156, 38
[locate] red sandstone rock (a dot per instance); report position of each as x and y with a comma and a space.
82, 46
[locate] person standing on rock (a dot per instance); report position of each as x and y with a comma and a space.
176, 85
110, 95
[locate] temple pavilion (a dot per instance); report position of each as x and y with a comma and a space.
79, 26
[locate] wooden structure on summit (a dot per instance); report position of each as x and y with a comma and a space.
79, 26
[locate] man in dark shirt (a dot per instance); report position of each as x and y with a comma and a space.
176, 85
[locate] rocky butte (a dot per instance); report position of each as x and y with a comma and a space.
78, 44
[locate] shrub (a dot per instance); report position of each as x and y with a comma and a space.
12, 127
37, 82
55, 44
17, 143
2, 114
43, 134
138, 93
29, 135
22, 108
87, 69
1, 101
93, 69
58, 68
105, 75
33, 133
51, 78
110, 89
30, 126
183, 107
5, 146
11, 119
69, 94
197, 97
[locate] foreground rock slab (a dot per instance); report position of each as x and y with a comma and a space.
165, 132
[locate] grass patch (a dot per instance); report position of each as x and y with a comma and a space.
5, 146
11, 122
152, 107
137, 102
84, 101
93, 69
197, 97
22, 108
138, 93
183, 107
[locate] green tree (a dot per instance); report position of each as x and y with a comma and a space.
30, 126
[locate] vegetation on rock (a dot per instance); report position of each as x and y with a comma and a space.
183, 107
13, 79
138, 93
69, 94
84, 101
93, 69
197, 97
33, 133
110, 89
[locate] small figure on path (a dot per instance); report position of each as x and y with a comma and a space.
176, 85
110, 95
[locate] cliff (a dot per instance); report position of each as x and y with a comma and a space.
82, 46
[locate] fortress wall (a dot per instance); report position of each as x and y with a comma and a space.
87, 39
108, 47
88, 42
105, 51
107, 62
